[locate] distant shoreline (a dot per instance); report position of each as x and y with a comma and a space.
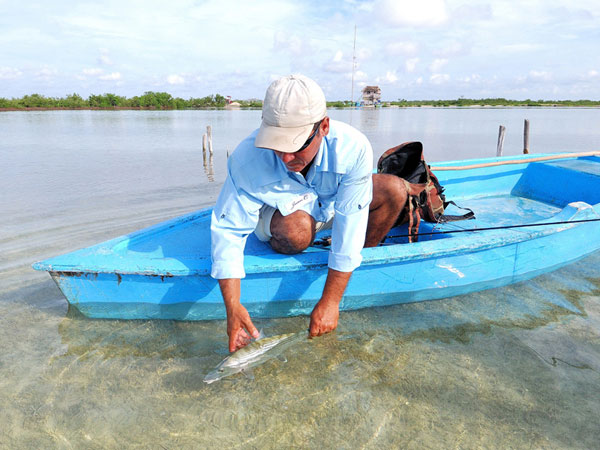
143, 108
162, 101
117, 108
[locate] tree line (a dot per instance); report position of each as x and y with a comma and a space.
164, 100
492, 102
150, 100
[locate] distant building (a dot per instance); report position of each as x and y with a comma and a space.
230, 104
371, 95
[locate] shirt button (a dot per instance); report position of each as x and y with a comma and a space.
359, 207
222, 216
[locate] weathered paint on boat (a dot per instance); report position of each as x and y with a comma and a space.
163, 272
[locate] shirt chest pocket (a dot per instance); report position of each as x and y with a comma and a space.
326, 184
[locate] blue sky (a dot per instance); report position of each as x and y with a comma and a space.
417, 49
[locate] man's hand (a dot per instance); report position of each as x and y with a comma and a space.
325, 315
324, 318
240, 328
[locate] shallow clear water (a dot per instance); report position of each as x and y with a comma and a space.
512, 367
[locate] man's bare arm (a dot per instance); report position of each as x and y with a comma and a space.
240, 328
324, 317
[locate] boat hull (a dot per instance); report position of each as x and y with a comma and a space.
197, 297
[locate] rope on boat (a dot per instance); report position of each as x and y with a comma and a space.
327, 241
517, 161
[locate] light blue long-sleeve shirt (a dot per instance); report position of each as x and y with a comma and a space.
338, 184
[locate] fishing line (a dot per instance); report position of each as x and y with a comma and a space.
326, 242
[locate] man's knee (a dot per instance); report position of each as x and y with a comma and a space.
292, 233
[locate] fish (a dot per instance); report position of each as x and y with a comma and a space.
254, 354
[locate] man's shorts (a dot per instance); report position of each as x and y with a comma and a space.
263, 229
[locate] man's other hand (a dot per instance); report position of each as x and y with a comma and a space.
324, 318
240, 328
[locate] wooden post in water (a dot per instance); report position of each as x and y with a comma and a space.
204, 143
500, 147
526, 137
209, 134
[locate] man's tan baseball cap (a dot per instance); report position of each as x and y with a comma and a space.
292, 106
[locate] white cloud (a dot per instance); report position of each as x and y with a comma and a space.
422, 13
411, 64
539, 75
401, 48
470, 78
92, 72
359, 76
111, 76
46, 73
175, 79
9, 73
291, 43
104, 58
470, 13
439, 78
452, 48
592, 74
363, 53
437, 64
524, 47
339, 63
390, 78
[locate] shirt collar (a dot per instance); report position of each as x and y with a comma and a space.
319, 160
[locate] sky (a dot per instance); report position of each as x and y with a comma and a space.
412, 49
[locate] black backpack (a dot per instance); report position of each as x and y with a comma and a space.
426, 199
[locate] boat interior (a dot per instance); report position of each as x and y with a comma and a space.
499, 196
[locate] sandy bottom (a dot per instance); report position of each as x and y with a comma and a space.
517, 367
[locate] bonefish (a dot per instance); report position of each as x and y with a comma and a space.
254, 354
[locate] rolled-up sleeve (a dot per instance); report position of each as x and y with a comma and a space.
234, 217
354, 196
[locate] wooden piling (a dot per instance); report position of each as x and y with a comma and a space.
204, 143
209, 136
526, 137
500, 148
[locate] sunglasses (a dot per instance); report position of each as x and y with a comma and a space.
311, 137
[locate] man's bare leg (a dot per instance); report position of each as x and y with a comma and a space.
293, 233
389, 197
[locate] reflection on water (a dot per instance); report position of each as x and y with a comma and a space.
209, 169
508, 368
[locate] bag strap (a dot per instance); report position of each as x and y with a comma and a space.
454, 218
414, 219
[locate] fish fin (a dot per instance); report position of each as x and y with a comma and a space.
248, 374
261, 335
282, 358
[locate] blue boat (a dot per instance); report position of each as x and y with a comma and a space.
534, 214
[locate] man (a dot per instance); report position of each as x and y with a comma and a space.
300, 172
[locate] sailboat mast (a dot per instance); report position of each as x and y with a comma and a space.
353, 65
